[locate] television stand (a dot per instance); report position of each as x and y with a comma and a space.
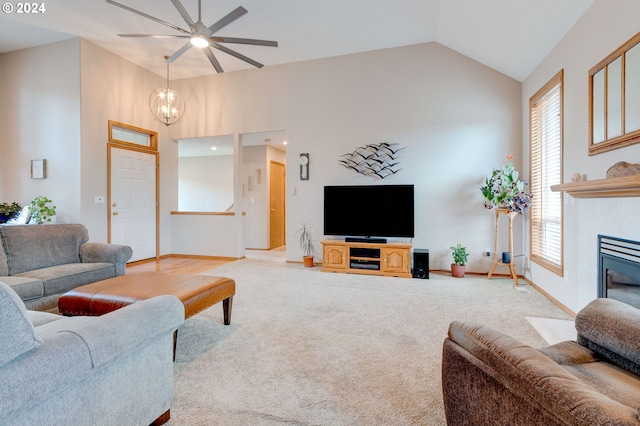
355, 257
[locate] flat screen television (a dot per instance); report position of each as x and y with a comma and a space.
369, 211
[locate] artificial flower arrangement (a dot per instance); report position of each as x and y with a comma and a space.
504, 188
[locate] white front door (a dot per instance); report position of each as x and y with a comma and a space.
132, 201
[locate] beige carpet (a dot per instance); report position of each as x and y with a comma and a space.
311, 348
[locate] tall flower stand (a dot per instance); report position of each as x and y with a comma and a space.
496, 258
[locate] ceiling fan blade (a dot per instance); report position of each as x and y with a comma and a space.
153, 35
213, 59
179, 52
243, 41
183, 12
137, 12
232, 16
237, 55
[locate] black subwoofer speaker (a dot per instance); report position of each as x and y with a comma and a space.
421, 264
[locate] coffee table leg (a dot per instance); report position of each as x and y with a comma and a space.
226, 307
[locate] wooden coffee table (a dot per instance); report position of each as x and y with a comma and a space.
196, 292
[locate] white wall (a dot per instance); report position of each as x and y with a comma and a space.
255, 202
40, 119
56, 102
602, 29
205, 184
115, 89
207, 235
3, 125
457, 118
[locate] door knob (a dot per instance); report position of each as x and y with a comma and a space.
273, 210
115, 213
114, 204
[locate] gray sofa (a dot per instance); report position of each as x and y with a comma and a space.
491, 378
116, 369
41, 262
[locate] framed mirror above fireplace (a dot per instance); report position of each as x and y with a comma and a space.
614, 99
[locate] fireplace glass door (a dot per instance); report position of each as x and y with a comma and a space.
619, 269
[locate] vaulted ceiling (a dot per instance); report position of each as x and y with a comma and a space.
511, 36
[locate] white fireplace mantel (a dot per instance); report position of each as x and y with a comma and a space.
627, 186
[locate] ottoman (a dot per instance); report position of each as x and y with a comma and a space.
196, 292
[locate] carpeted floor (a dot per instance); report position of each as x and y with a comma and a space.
311, 348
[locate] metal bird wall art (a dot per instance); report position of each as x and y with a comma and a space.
375, 160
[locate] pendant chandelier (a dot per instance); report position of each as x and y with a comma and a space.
166, 104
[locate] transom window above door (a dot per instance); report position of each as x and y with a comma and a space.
125, 134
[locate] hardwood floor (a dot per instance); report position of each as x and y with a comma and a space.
177, 264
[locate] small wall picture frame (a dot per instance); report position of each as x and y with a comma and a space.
39, 169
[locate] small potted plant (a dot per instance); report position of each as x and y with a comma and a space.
8, 211
459, 260
42, 211
305, 239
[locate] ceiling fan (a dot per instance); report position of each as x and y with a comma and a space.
200, 35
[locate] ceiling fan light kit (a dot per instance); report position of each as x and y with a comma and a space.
199, 41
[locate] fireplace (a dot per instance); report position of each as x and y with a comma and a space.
619, 269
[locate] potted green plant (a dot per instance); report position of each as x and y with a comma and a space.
305, 239
42, 211
504, 188
460, 256
8, 211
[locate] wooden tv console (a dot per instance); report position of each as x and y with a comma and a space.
389, 259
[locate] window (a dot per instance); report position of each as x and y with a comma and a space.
545, 110
134, 137
614, 99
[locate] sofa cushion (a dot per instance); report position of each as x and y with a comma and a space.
611, 329
587, 366
30, 247
16, 331
607, 379
27, 288
61, 278
39, 318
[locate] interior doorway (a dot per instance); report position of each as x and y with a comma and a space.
262, 195
277, 197
216, 176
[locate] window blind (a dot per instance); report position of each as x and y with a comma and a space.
546, 220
